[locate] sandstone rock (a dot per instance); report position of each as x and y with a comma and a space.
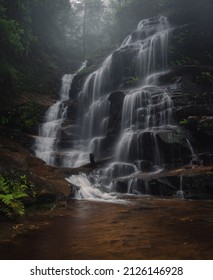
49, 182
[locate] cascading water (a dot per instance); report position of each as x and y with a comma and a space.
46, 143
129, 76
146, 109
93, 116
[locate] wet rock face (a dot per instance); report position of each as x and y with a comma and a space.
193, 110
174, 148
198, 186
206, 158
201, 124
205, 125
172, 145
114, 123
192, 97
123, 65
76, 86
191, 183
116, 98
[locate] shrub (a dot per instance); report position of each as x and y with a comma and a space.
184, 122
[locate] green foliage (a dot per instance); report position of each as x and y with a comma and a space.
31, 32
12, 193
135, 79
131, 81
29, 115
184, 122
12, 33
86, 70
24, 117
207, 125
4, 120
15, 26
8, 72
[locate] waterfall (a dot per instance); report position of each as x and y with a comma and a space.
145, 118
146, 110
193, 154
93, 107
84, 189
46, 143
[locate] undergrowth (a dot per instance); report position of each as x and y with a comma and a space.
12, 195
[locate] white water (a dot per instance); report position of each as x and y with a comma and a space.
180, 192
193, 154
46, 143
86, 190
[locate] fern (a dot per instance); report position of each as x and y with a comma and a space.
11, 195
3, 186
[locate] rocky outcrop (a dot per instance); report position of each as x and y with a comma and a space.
48, 181
191, 90
189, 182
123, 67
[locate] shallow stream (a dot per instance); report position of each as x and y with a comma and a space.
143, 228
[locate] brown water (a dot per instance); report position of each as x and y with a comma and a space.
146, 228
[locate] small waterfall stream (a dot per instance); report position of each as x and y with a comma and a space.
180, 192
46, 143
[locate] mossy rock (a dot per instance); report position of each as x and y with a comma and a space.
206, 125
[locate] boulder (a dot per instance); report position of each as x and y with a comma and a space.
116, 97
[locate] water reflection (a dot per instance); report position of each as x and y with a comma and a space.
146, 229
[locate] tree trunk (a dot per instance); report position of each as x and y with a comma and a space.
84, 30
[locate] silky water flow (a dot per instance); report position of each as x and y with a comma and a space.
147, 110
